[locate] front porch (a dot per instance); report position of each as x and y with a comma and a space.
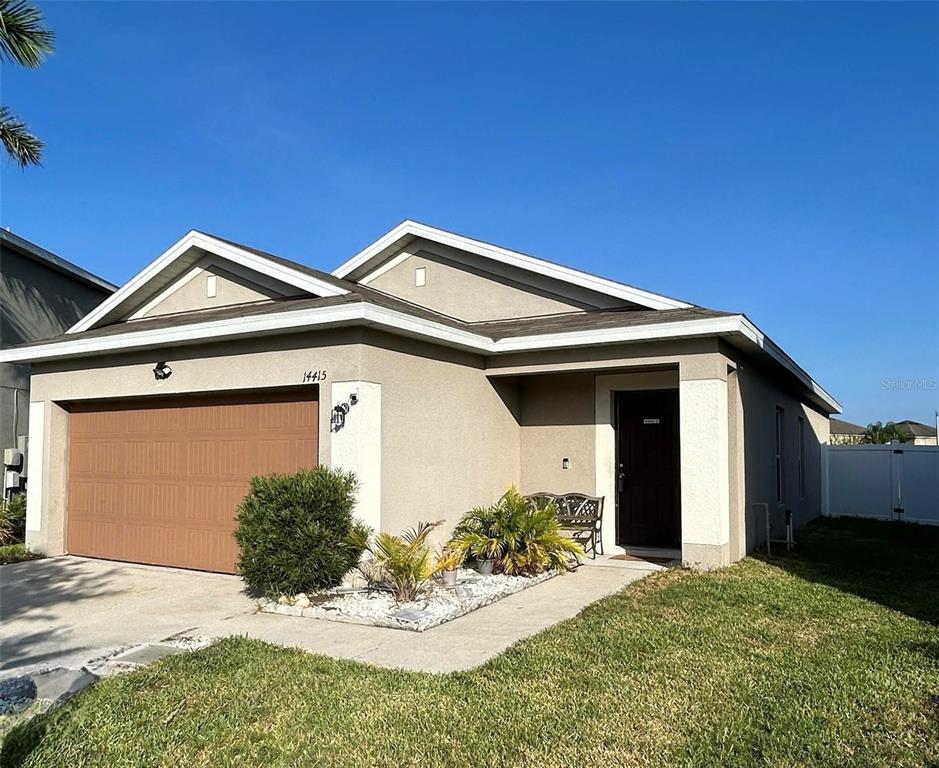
653, 437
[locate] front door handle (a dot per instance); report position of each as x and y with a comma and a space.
620, 481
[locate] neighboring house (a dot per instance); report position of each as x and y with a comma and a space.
846, 433
41, 295
441, 369
922, 434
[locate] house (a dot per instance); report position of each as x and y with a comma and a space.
41, 295
441, 369
846, 433
921, 434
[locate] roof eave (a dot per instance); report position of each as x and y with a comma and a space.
364, 313
39, 254
209, 243
408, 230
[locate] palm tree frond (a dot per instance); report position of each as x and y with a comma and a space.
21, 145
24, 37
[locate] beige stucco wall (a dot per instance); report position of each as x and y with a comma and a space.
464, 293
556, 413
449, 436
456, 429
193, 295
566, 411
761, 391
727, 407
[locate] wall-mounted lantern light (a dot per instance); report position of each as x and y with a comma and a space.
338, 419
161, 371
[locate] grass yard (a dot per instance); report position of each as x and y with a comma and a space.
829, 657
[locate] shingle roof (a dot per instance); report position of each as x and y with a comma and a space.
590, 321
526, 326
917, 429
567, 324
839, 427
40, 254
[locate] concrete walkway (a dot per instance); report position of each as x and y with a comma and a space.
63, 612
460, 644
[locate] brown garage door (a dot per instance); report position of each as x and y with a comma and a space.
158, 481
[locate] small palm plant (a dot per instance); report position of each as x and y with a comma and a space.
523, 538
540, 544
401, 564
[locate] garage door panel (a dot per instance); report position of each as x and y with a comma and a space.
159, 482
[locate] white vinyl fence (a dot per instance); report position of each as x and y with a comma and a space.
888, 482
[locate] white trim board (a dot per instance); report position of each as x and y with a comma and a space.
202, 266
398, 322
212, 245
368, 258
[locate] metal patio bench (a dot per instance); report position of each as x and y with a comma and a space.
580, 515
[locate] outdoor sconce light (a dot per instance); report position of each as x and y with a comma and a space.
338, 419
162, 371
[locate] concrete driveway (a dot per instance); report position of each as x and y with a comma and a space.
64, 611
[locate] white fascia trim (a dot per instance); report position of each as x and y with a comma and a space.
650, 332
512, 258
234, 326
169, 290
764, 342
386, 267
370, 314
213, 245
201, 267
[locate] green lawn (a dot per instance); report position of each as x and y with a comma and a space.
826, 658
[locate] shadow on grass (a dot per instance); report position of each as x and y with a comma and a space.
891, 563
22, 740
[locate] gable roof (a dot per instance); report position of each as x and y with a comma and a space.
370, 257
331, 301
160, 272
37, 253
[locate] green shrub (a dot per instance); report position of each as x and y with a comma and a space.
294, 531
15, 553
13, 519
524, 539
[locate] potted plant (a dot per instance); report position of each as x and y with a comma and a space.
478, 534
449, 560
516, 537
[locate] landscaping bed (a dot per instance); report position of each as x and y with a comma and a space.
378, 608
826, 657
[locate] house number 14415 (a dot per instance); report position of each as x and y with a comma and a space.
314, 376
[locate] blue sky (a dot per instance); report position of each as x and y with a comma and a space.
776, 159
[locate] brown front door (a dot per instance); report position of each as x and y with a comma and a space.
158, 481
648, 484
